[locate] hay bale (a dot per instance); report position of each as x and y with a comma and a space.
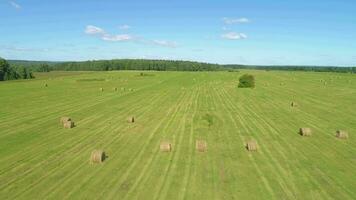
101, 89
65, 119
201, 145
293, 104
46, 85
305, 131
115, 89
251, 145
68, 124
131, 119
165, 146
342, 134
97, 156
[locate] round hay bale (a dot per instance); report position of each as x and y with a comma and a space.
305, 132
131, 119
342, 134
68, 124
201, 145
293, 104
46, 85
115, 89
101, 89
251, 145
65, 119
165, 146
97, 156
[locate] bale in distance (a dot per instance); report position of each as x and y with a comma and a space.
97, 156
46, 85
305, 131
68, 124
101, 89
251, 145
165, 146
294, 104
342, 134
131, 119
65, 119
115, 89
201, 145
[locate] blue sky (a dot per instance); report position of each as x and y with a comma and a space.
279, 32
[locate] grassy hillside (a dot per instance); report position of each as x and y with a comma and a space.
41, 160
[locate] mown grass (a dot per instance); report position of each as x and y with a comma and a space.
41, 160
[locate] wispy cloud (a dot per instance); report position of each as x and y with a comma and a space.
117, 38
230, 21
15, 5
97, 31
124, 27
102, 34
234, 36
22, 49
94, 30
165, 43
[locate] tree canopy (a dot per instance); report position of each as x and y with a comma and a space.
8, 72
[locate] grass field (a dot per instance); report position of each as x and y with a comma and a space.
41, 160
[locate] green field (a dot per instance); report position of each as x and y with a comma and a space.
41, 160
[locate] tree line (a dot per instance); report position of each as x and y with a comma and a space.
173, 65
136, 64
18, 69
296, 68
9, 72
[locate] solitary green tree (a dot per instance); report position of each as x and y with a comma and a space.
246, 81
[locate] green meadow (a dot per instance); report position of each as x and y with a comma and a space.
39, 159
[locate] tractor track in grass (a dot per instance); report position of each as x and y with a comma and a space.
87, 145
176, 146
173, 111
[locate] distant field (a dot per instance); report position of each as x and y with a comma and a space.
41, 160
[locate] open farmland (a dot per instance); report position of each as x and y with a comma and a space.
39, 159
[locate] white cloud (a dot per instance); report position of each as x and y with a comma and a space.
97, 31
93, 30
235, 20
165, 43
116, 38
15, 5
102, 34
234, 36
124, 27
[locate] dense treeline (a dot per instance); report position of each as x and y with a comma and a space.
166, 65
136, 64
9, 72
18, 66
296, 68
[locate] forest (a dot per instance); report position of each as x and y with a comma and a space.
18, 69
12, 72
